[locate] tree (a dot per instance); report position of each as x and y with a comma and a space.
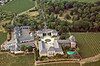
63, 36
30, 48
67, 16
22, 20
23, 47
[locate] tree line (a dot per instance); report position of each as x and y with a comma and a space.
85, 16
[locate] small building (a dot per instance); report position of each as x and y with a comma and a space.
72, 38
73, 44
72, 41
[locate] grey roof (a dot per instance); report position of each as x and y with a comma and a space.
22, 33
58, 49
43, 51
51, 49
46, 31
29, 44
39, 32
24, 38
54, 31
64, 41
56, 45
25, 27
42, 48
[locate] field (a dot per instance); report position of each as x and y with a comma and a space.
18, 6
89, 43
7, 60
92, 64
92, 1
3, 37
62, 64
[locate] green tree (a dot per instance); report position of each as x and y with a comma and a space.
30, 48
23, 47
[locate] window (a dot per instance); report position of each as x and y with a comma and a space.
49, 34
44, 34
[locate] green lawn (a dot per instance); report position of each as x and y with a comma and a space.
3, 37
18, 6
7, 60
89, 43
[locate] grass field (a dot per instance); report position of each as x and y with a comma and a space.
7, 60
89, 43
18, 6
3, 37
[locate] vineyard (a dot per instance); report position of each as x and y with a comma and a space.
85, 0
89, 43
8, 60
18, 6
62, 64
92, 64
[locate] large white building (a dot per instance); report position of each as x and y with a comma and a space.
21, 36
50, 44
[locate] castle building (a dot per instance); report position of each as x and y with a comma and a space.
48, 44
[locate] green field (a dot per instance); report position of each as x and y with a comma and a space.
18, 6
7, 60
3, 37
89, 43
